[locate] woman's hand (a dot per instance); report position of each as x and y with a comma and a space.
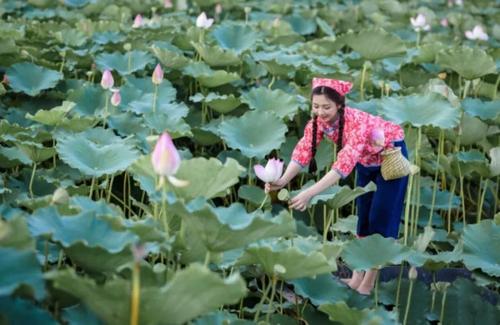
300, 201
274, 186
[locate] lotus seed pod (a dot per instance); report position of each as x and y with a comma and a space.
127, 46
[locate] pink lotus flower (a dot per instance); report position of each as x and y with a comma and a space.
137, 21
377, 137
477, 34
444, 22
168, 4
166, 160
203, 22
116, 98
107, 79
420, 23
157, 76
271, 173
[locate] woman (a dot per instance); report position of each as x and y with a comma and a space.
360, 138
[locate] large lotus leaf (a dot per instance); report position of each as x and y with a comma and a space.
97, 259
80, 315
340, 312
124, 64
255, 133
220, 103
470, 162
441, 201
470, 63
207, 77
31, 79
473, 130
346, 225
298, 257
420, 110
275, 101
20, 268
321, 289
96, 152
253, 194
236, 37
337, 196
15, 234
214, 56
191, 292
364, 253
481, 242
85, 227
71, 37
36, 151
170, 56
135, 86
13, 156
88, 99
495, 161
172, 123
108, 37
222, 229
301, 25
485, 110
375, 44
221, 317
23, 312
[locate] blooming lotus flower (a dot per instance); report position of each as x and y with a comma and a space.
107, 79
203, 22
166, 160
377, 137
420, 23
116, 98
271, 173
168, 4
476, 34
137, 21
157, 76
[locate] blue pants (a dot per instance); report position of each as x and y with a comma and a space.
379, 212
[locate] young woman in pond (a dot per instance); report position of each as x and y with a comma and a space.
360, 138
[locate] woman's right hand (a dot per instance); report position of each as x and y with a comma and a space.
274, 186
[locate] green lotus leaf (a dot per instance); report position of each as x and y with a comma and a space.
280, 63
80, 315
220, 103
442, 200
438, 86
337, 196
236, 37
470, 63
427, 52
321, 289
301, 25
253, 194
169, 55
71, 37
96, 152
86, 228
275, 101
13, 156
20, 268
221, 317
36, 151
207, 77
485, 110
31, 79
481, 247
495, 161
375, 44
473, 130
241, 133
169, 119
420, 110
222, 229
53, 116
470, 162
87, 99
15, 234
20, 311
362, 254
346, 225
300, 257
108, 37
214, 56
166, 91
190, 293
340, 312
97, 259
124, 64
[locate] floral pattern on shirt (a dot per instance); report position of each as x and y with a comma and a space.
357, 145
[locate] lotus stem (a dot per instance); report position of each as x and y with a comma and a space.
481, 202
418, 39
263, 201
273, 292
417, 183
124, 191
32, 179
135, 296
164, 208
272, 82
495, 89
155, 95
54, 160
61, 68
250, 171
281, 297
434, 190
207, 258
407, 209
328, 224
466, 88
452, 192
110, 188
408, 302
60, 259
363, 76
129, 62
462, 195
106, 106
129, 189
398, 290
92, 187
262, 299
376, 287
443, 303
46, 253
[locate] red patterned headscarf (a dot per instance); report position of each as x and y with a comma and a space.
340, 86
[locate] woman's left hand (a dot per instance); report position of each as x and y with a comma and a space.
300, 201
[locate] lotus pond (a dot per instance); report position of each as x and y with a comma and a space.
90, 234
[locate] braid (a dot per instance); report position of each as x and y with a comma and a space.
341, 112
312, 165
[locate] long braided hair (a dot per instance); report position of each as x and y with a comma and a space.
339, 100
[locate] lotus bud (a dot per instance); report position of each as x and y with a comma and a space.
168, 4
157, 76
203, 22
116, 98
276, 22
420, 23
271, 173
218, 9
166, 160
25, 54
60, 196
127, 47
412, 273
444, 22
107, 79
279, 269
138, 21
247, 10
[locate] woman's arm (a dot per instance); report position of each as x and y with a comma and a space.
300, 201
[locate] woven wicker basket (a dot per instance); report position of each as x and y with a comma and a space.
394, 164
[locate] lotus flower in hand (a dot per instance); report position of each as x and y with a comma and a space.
271, 173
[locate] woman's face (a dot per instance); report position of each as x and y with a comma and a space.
324, 108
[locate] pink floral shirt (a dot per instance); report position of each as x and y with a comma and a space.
358, 144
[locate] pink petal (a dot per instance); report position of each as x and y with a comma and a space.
107, 79
469, 35
165, 158
137, 21
157, 77
261, 173
116, 98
